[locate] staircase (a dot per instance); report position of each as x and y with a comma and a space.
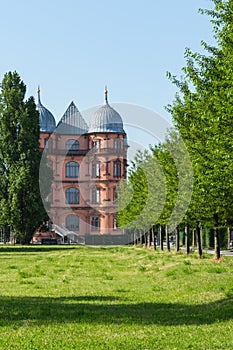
67, 235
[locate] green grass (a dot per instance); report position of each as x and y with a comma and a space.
113, 298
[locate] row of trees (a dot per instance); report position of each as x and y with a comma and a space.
21, 207
160, 183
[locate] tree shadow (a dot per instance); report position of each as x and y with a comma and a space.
34, 249
110, 309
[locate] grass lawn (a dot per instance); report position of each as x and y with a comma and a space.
65, 297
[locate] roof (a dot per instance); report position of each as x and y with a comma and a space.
106, 119
47, 120
72, 122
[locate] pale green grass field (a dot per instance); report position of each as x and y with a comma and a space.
113, 298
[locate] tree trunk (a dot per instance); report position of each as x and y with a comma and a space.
161, 237
140, 236
177, 238
229, 238
187, 236
158, 235
145, 235
135, 237
194, 238
216, 237
153, 237
149, 239
4, 234
167, 238
198, 239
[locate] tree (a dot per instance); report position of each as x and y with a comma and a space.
159, 188
141, 198
21, 204
202, 112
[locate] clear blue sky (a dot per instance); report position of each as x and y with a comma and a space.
72, 48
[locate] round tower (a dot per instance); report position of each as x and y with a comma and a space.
47, 122
108, 165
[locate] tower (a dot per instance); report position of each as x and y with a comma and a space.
47, 123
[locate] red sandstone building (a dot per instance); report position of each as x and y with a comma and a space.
88, 161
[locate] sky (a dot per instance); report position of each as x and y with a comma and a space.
73, 48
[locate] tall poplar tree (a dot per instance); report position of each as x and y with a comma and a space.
20, 201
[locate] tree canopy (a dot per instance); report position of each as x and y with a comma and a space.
20, 201
202, 115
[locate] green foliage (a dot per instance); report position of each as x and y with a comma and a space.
159, 186
20, 200
190, 174
202, 112
141, 199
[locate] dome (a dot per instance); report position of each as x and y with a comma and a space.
72, 122
106, 119
47, 120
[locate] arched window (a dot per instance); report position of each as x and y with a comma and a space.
72, 145
72, 169
95, 194
72, 222
72, 196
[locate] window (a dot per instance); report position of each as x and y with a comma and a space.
46, 143
72, 196
72, 169
95, 223
72, 145
49, 198
95, 194
125, 141
95, 169
115, 224
72, 222
117, 168
96, 144
115, 193
117, 143
107, 162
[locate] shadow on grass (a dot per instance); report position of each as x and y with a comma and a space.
34, 248
106, 310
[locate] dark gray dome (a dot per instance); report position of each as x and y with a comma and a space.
47, 120
106, 119
72, 122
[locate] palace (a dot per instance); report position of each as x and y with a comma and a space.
88, 162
